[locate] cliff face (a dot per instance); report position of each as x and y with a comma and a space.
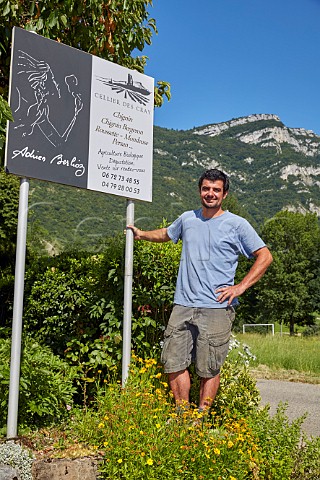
217, 128
301, 140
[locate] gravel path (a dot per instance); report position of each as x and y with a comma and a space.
301, 398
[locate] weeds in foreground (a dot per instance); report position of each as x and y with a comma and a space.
137, 433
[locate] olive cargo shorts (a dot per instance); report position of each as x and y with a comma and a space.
198, 335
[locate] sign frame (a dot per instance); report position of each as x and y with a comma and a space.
79, 120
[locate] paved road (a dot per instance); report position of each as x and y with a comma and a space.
301, 398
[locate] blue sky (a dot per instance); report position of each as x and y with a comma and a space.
230, 58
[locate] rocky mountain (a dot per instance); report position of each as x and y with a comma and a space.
271, 167
301, 140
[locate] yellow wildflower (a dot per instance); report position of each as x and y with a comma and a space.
149, 461
101, 425
216, 451
120, 460
150, 361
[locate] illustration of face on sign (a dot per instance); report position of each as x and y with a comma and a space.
39, 104
50, 101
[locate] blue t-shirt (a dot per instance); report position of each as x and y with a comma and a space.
209, 257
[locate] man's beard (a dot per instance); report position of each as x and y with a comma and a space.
216, 204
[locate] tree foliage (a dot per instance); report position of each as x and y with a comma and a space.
288, 290
9, 198
112, 30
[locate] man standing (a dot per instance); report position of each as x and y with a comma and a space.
200, 324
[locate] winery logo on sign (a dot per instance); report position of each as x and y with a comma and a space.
136, 91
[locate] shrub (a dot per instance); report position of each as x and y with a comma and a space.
278, 442
307, 461
139, 434
75, 305
60, 297
155, 273
311, 330
46, 384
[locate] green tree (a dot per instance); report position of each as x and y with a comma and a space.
287, 291
112, 30
9, 195
9, 200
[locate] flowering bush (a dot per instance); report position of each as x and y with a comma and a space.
139, 433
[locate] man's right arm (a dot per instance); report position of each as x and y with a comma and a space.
160, 235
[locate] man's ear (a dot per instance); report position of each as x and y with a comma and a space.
225, 194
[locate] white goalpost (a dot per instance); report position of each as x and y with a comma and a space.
258, 325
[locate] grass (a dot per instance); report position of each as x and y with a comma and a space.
289, 358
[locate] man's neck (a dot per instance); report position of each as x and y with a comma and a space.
211, 212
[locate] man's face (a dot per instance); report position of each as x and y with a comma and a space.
212, 194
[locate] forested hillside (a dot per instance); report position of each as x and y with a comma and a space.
272, 167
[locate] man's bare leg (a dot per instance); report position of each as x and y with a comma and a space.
180, 386
208, 391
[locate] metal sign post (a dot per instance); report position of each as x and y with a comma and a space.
83, 122
127, 306
12, 421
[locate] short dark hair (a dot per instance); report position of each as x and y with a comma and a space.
214, 174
